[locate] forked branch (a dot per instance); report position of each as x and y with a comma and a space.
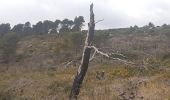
96, 50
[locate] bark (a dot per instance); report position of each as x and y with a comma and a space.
85, 58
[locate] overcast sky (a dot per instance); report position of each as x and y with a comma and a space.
116, 13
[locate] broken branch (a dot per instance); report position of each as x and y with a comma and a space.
108, 56
99, 21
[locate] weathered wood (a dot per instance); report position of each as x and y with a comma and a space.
85, 58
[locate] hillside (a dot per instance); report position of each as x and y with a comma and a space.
54, 49
39, 69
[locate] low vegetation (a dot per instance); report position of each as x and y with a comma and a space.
42, 67
56, 83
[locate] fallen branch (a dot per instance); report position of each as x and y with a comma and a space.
119, 54
68, 63
108, 56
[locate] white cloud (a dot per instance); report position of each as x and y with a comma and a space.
116, 13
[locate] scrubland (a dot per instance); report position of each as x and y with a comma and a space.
37, 69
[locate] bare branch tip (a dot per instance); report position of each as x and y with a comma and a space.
99, 21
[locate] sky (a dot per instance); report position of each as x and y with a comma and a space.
116, 13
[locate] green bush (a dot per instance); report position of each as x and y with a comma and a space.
8, 43
100, 38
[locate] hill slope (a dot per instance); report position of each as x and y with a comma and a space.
37, 69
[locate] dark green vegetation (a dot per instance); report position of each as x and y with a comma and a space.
10, 36
44, 27
35, 65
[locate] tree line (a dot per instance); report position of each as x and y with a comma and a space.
44, 27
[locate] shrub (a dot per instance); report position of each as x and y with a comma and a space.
8, 43
123, 72
7, 46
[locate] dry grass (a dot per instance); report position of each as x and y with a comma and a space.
37, 75
55, 84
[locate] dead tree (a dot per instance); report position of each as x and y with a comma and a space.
85, 58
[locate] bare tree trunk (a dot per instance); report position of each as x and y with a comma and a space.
85, 58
